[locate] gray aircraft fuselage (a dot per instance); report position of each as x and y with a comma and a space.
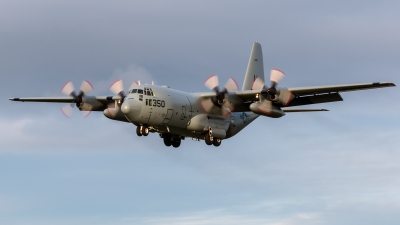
166, 110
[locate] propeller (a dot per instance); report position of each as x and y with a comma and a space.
118, 88
68, 89
218, 100
275, 77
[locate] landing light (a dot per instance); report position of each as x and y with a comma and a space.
256, 95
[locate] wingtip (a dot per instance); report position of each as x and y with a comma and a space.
13, 99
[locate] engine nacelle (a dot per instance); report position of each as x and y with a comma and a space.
83, 106
264, 109
89, 103
283, 97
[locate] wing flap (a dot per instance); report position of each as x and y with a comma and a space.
315, 99
303, 110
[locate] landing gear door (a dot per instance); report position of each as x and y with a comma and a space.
168, 117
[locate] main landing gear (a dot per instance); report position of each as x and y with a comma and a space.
169, 140
210, 140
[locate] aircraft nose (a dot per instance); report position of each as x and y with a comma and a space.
131, 106
125, 107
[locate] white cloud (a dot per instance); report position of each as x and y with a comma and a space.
129, 74
222, 217
12, 131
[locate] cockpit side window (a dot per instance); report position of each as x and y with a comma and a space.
140, 91
151, 92
134, 91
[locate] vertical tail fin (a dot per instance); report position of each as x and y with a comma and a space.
255, 68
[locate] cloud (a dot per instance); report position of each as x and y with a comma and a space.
129, 74
12, 131
224, 217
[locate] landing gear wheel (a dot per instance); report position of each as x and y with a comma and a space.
217, 142
145, 130
167, 140
176, 142
208, 139
139, 131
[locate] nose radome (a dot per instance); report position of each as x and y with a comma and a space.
131, 106
125, 107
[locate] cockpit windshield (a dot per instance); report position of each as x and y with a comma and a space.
146, 91
149, 92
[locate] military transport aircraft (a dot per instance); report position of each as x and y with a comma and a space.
211, 116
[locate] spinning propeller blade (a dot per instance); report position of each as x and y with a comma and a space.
86, 87
117, 88
212, 82
68, 88
67, 110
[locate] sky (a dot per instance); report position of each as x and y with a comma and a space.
340, 166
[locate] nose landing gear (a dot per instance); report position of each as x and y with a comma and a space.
142, 130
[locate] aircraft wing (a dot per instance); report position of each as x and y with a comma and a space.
88, 103
44, 99
316, 94
338, 88
68, 99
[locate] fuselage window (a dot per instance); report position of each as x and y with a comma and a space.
140, 97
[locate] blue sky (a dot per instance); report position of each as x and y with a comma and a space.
330, 167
